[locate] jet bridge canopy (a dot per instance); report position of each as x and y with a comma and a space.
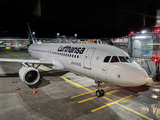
141, 45
143, 48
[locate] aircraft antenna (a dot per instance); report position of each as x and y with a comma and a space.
30, 33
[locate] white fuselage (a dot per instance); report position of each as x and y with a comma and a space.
88, 59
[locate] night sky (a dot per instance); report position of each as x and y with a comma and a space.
89, 19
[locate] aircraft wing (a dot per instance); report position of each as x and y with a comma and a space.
40, 61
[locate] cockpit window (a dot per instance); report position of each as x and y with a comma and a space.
124, 59
106, 59
114, 59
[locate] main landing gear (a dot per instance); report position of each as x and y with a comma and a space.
100, 92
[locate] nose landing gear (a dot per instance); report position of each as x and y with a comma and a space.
100, 92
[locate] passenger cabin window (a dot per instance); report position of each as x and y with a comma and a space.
106, 59
124, 59
114, 59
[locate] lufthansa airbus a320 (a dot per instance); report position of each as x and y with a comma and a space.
102, 63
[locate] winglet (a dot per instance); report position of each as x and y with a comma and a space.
30, 34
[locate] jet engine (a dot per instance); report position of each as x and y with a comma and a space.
29, 75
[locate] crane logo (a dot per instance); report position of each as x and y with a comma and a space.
104, 70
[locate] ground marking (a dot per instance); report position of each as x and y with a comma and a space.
103, 96
108, 93
17, 56
108, 99
88, 92
104, 106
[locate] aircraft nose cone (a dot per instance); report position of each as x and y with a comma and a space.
138, 76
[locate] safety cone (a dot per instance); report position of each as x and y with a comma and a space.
17, 88
34, 91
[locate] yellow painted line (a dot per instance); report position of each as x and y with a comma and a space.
88, 92
107, 98
74, 83
131, 97
108, 93
45, 69
17, 56
103, 96
135, 112
66, 79
87, 99
82, 94
104, 106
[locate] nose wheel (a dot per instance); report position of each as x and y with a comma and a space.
100, 92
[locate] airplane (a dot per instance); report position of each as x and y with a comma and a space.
102, 63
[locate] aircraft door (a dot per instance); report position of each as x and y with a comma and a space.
136, 48
88, 58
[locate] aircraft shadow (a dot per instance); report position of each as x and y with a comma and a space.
137, 89
42, 82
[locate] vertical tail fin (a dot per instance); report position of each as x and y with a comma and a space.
30, 40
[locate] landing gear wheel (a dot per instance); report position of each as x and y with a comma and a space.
98, 93
102, 92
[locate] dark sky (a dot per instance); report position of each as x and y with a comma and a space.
90, 19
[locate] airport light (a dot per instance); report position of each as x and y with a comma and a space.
75, 35
155, 59
132, 32
143, 31
33, 33
58, 34
157, 30
140, 37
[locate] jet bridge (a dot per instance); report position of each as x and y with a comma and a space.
144, 49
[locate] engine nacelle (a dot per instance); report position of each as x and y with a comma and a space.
29, 75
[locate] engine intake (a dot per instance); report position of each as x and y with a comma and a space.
29, 75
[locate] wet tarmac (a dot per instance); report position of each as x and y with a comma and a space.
62, 95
